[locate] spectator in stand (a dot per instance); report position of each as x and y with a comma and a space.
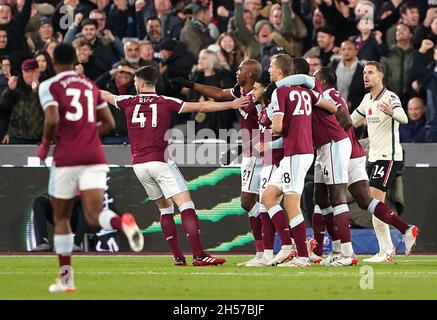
427, 30
151, 31
176, 62
87, 59
100, 48
147, 53
45, 33
410, 16
67, 7
315, 64
397, 64
349, 71
45, 65
50, 46
37, 12
231, 50
209, 72
121, 19
369, 44
170, 22
132, 53
427, 78
15, 27
414, 130
22, 101
251, 14
86, 6
6, 73
317, 21
121, 82
325, 48
195, 33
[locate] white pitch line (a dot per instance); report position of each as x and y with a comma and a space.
237, 274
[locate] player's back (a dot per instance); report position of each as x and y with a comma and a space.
325, 125
296, 103
335, 97
148, 118
77, 99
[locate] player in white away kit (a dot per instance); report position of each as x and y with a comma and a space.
383, 111
72, 105
148, 117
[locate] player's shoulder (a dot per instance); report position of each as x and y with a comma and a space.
169, 99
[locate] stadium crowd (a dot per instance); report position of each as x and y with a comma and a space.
205, 41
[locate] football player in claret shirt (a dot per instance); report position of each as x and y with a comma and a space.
72, 105
248, 74
358, 181
292, 118
148, 118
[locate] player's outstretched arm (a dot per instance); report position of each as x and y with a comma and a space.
106, 121
326, 105
108, 97
343, 118
211, 106
209, 91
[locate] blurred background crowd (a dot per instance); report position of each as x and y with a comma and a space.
205, 41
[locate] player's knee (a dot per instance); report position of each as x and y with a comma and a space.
247, 203
363, 201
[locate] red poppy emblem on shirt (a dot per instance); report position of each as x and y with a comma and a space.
370, 111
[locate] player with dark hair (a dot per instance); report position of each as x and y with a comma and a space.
73, 105
383, 110
248, 73
292, 118
148, 118
330, 171
358, 183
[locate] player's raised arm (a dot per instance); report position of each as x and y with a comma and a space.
108, 97
211, 106
209, 91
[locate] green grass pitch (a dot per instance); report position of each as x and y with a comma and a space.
155, 277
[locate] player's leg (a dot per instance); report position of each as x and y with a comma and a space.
270, 199
379, 173
191, 225
92, 184
168, 227
322, 203
146, 174
174, 186
294, 170
268, 228
250, 186
336, 177
63, 241
63, 184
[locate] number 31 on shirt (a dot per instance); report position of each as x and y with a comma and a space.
139, 117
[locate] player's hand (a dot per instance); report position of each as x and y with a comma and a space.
184, 82
228, 156
43, 149
12, 83
426, 45
261, 146
139, 5
241, 102
386, 108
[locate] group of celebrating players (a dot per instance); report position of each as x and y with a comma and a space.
282, 125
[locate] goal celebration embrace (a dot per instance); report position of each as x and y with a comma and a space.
244, 149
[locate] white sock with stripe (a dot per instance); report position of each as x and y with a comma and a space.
382, 232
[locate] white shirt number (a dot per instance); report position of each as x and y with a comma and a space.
75, 103
301, 108
138, 117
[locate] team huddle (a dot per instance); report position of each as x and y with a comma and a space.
284, 122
